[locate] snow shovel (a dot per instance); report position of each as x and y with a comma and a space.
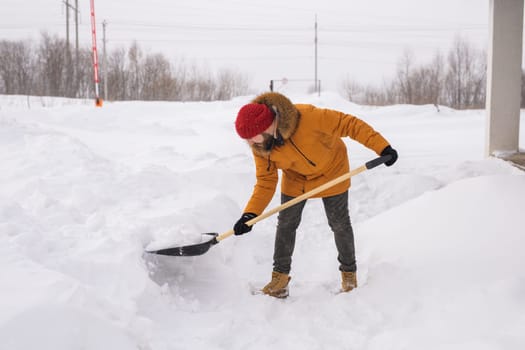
201, 248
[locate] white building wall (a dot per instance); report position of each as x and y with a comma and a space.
504, 75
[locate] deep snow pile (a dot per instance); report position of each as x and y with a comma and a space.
83, 191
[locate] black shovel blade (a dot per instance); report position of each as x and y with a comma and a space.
188, 250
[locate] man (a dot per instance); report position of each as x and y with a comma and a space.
305, 143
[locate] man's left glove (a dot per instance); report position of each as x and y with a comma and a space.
389, 151
240, 226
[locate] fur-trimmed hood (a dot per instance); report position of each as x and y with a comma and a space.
288, 115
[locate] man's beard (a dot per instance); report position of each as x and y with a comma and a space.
266, 145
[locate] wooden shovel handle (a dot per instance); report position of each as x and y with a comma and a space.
369, 165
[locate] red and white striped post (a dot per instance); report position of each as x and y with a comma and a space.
98, 100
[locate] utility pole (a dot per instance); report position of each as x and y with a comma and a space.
105, 60
315, 42
67, 56
68, 46
77, 54
74, 8
67, 23
76, 29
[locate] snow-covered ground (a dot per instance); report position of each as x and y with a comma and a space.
84, 190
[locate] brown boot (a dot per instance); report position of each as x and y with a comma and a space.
349, 281
278, 286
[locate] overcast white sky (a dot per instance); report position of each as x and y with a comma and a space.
268, 39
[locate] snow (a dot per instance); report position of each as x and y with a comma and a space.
84, 191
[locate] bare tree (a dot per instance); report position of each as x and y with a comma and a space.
157, 81
352, 90
180, 81
426, 82
199, 86
135, 71
15, 67
118, 76
229, 84
85, 80
50, 66
479, 80
465, 78
435, 79
404, 77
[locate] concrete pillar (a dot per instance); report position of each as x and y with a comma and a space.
504, 75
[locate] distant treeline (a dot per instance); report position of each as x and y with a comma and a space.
50, 69
457, 79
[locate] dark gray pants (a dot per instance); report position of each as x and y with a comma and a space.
288, 220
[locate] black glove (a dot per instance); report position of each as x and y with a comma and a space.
240, 226
389, 151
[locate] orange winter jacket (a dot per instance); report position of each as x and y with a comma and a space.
312, 154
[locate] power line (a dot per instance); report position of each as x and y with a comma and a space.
327, 28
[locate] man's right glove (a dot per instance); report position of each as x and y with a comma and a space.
240, 226
389, 151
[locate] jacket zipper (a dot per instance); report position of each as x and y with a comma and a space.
305, 157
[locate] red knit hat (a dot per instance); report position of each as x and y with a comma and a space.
253, 119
